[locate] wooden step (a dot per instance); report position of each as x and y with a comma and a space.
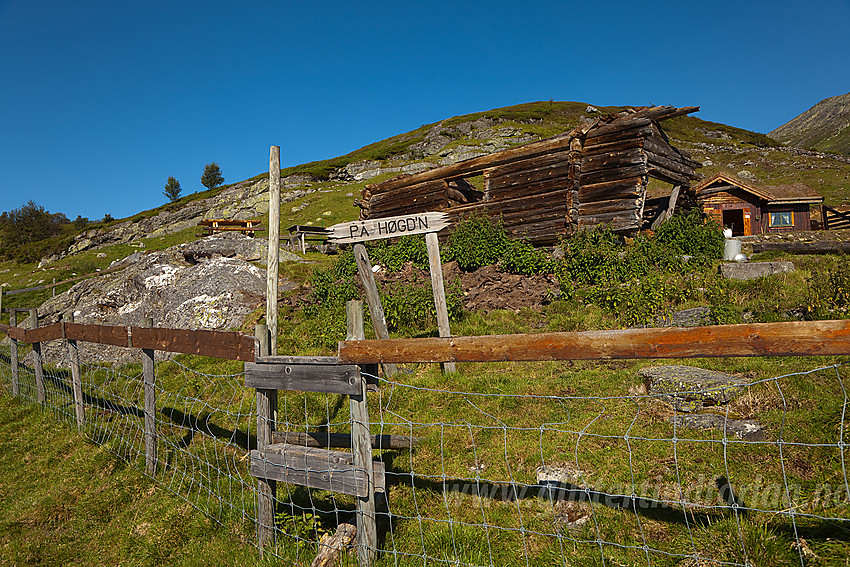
327, 440
315, 468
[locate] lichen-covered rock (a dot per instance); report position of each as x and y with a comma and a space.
747, 429
207, 284
690, 388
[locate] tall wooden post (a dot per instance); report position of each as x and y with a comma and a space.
13, 355
274, 246
373, 299
149, 373
439, 290
361, 447
40, 392
76, 380
266, 409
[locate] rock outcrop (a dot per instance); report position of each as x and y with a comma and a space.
207, 284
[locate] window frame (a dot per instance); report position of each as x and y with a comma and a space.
781, 214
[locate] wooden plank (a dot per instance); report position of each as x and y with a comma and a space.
618, 189
325, 440
13, 353
609, 160
266, 401
592, 149
43, 334
656, 160
101, 334
38, 364
314, 468
529, 164
373, 299
823, 247
618, 173
76, 377
333, 379
478, 164
284, 359
149, 376
436, 269
619, 125
387, 227
633, 134
796, 338
219, 344
612, 206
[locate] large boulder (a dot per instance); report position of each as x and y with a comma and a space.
208, 284
753, 270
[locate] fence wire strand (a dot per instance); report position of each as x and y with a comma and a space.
503, 478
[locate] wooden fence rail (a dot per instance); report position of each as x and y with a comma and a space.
219, 344
796, 338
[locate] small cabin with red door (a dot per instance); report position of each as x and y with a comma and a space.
749, 208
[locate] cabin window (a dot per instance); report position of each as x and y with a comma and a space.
781, 218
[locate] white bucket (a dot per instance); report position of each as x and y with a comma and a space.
731, 248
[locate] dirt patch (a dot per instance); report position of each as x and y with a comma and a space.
485, 289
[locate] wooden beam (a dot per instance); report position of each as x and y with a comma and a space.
333, 379
803, 338
476, 165
325, 440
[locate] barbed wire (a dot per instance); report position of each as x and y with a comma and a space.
504, 477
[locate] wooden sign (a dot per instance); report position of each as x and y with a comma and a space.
388, 227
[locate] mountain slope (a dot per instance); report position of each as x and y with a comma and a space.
824, 127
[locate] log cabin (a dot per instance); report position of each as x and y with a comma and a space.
595, 174
750, 208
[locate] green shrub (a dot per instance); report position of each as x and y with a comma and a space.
475, 242
409, 248
521, 257
690, 234
410, 307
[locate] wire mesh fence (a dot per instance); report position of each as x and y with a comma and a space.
563, 470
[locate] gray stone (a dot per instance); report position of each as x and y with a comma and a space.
747, 175
690, 388
753, 270
693, 317
747, 429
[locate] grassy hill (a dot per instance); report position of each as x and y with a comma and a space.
824, 127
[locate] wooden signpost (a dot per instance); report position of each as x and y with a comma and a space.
360, 231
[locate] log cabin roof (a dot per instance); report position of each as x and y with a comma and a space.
595, 174
771, 194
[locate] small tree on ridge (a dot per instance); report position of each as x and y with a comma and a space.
212, 176
172, 189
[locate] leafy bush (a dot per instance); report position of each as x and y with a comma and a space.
411, 307
692, 235
521, 257
475, 242
409, 248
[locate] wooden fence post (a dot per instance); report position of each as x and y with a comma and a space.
436, 266
266, 414
373, 299
76, 380
149, 373
13, 354
41, 394
361, 448
274, 247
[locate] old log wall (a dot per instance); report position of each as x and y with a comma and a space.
595, 174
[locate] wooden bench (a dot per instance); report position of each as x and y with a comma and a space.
301, 234
247, 227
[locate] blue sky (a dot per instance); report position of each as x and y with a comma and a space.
101, 101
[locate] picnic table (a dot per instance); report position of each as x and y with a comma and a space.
248, 227
300, 234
